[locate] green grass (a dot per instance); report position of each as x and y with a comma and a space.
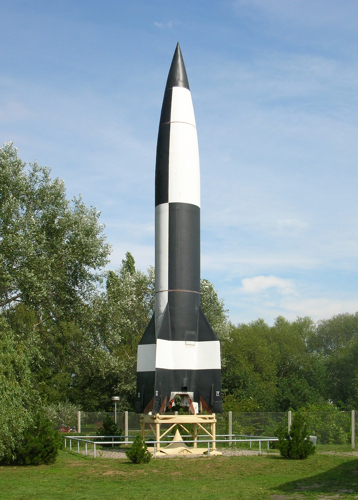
78, 477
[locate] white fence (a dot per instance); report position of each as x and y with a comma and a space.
113, 441
334, 427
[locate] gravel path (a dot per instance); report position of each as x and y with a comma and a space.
118, 453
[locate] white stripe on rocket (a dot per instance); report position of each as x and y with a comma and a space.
182, 109
184, 165
146, 358
161, 262
182, 355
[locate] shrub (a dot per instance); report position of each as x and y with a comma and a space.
39, 445
109, 428
328, 423
295, 444
139, 453
62, 414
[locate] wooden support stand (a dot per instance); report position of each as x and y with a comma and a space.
154, 423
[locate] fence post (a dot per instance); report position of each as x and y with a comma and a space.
230, 428
78, 421
289, 420
126, 432
353, 429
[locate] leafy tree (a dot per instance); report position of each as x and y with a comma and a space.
18, 396
63, 413
114, 327
294, 392
249, 367
51, 250
335, 343
334, 334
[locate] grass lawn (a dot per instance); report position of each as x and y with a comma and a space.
245, 477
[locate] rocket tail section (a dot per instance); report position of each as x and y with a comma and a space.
191, 365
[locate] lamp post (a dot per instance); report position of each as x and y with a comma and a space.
115, 399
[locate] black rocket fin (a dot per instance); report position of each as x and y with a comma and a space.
206, 333
177, 74
146, 379
211, 386
149, 334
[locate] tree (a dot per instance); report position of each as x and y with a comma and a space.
249, 368
51, 250
334, 333
18, 397
295, 444
335, 343
114, 327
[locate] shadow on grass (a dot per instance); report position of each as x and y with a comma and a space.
340, 479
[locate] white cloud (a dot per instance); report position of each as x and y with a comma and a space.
318, 308
164, 25
258, 284
15, 110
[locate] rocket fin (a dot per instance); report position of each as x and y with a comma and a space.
146, 367
210, 385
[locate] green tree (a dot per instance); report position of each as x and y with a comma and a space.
51, 250
249, 367
114, 327
295, 444
19, 398
139, 454
335, 343
38, 445
334, 333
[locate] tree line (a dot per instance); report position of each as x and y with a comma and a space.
69, 330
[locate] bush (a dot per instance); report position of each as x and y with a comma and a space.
328, 423
295, 444
38, 446
62, 414
139, 454
109, 428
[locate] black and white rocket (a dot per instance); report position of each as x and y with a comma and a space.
179, 352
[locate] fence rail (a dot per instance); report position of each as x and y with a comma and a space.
94, 440
334, 427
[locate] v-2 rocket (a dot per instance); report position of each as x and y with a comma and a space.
179, 353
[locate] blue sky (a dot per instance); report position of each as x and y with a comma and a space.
274, 85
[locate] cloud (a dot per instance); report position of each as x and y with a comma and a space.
258, 284
162, 26
319, 308
14, 110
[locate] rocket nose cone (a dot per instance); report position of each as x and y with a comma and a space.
177, 76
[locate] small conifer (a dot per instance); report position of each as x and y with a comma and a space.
139, 454
295, 444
